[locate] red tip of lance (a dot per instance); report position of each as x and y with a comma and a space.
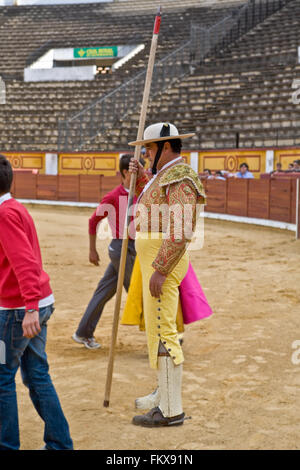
157, 21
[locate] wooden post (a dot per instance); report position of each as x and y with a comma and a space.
247, 201
130, 201
269, 197
226, 197
298, 209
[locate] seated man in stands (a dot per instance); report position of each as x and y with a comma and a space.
208, 174
219, 175
278, 169
244, 171
296, 165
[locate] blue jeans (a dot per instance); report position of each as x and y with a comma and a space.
16, 350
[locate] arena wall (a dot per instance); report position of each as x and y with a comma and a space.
271, 199
266, 198
76, 188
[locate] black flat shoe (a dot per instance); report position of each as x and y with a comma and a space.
154, 418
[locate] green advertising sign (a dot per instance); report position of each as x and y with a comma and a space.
94, 52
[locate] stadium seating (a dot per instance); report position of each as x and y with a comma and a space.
245, 94
29, 120
242, 96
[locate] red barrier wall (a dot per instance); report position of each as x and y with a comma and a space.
273, 199
259, 199
83, 188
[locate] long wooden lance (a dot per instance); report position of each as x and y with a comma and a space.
130, 202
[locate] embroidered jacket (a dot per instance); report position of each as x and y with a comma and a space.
169, 205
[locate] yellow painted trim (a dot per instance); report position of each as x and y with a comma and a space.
187, 157
230, 160
285, 157
88, 164
27, 160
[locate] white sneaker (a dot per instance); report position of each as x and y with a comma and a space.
89, 343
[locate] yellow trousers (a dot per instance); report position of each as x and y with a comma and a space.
160, 314
133, 313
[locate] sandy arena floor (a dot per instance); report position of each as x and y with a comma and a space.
240, 384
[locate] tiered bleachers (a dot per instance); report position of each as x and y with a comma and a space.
26, 28
242, 97
29, 120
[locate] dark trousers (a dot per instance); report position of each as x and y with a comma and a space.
107, 287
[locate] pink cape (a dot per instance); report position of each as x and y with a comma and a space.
193, 301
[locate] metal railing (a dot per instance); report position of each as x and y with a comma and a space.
104, 113
216, 39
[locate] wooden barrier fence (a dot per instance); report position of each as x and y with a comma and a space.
273, 199
81, 188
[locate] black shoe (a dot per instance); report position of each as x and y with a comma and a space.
154, 418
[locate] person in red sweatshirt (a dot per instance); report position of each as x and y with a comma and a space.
114, 207
26, 304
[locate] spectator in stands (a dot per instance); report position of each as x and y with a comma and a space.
226, 174
291, 167
296, 165
244, 171
278, 169
208, 174
26, 304
219, 175
106, 289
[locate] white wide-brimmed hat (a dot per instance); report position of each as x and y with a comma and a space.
157, 132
